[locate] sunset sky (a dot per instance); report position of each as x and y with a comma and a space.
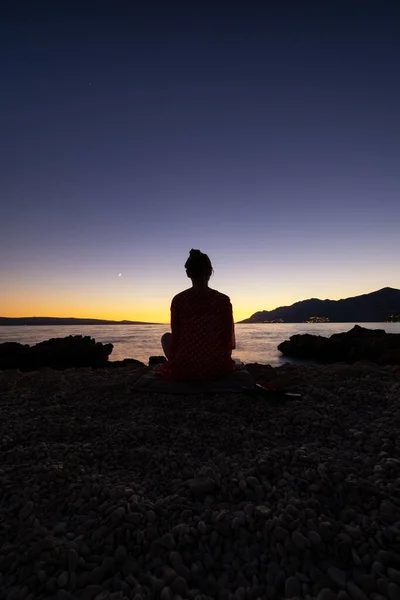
270, 141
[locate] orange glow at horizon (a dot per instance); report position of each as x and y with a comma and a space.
161, 317
150, 301
148, 312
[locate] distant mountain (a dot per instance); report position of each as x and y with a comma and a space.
374, 307
65, 321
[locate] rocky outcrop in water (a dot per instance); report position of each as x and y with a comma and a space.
156, 360
351, 346
57, 353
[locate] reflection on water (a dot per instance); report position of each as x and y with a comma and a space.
255, 343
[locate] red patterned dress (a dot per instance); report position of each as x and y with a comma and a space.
203, 336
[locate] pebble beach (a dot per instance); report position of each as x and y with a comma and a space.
110, 494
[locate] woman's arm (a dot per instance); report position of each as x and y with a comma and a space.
175, 329
228, 328
233, 337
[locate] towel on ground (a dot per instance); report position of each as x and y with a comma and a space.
232, 383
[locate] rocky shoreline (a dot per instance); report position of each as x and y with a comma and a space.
359, 343
108, 494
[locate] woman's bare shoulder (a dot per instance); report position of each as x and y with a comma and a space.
222, 297
181, 295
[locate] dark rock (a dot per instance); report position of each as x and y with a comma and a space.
338, 576
156, 360
292, 587
56, 353
394, 591
64, 595
200, 486
358, 344
355, 592
127, 362
326, 594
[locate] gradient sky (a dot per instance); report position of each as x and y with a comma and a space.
270, 141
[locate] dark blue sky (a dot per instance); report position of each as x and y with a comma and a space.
270, 140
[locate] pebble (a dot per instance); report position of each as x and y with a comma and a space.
119, 513
314, 538
201, 486
25, 512
280, 534
168, 541
73, 559
299, 540
355, 592
62, 579
166, 594
338, 576
394, 591
394, 575
292, 587
326, 594
64, 595
175, 559
202, 527
179, 586
262, 512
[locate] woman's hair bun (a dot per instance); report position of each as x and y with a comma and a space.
195, 253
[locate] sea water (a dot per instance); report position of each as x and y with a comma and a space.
254, 343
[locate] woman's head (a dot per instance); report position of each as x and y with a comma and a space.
198, 265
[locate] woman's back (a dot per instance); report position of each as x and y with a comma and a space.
202, 335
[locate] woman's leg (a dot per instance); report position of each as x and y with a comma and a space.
166, 341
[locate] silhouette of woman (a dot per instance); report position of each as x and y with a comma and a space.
202, 336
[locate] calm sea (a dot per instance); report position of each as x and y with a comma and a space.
254, 343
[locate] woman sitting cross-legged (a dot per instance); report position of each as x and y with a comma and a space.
202, 336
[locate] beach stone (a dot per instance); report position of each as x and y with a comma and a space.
314, 538
355, 592
26, 510
73, 559
201, 486
316, 574
326, 532
326, 594
119, 513
377, 567
62, 579
175, 559
280, 534
120, 554
383, 586
262, 512
166, 594
394, 575
292, 587
338, 576
394, 591
64, 595
168, 541
367, 583
299, 540
97, 575
151, 516
179, 586
91, 591
201, 527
